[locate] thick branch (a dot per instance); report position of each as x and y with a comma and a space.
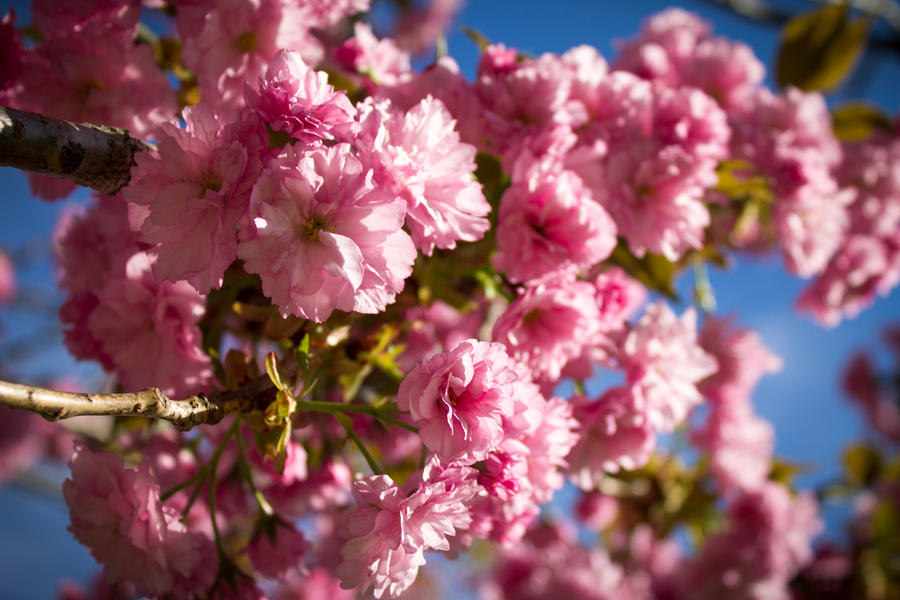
90, 155
150, 403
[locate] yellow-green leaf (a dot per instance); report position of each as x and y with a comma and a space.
272, 370
818, 49
301, 354
857, 121
653, 270
861, 464
253, 312
279, 328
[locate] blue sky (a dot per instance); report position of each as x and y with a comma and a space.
812, 420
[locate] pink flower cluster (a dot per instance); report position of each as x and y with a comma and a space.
87, 68
766, 542
663, 363
320, 224
315, 168
740, 444
393, 526
499, 450
116, 512
867, 261
118, 314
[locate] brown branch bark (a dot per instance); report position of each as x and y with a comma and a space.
151, 403
94, 156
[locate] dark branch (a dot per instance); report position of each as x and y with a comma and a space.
94, 156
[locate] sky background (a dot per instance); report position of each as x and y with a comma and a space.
812, 420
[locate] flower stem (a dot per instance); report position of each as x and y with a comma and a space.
264, 505
213, 465
339, 407
348, 427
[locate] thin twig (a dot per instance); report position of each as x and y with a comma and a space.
151, 403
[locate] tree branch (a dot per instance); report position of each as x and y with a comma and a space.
95, 156
150, 403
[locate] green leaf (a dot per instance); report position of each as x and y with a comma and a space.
253, 312
493, 180
653, 270
272, 370
301, 354
784, 471
819, 49
861, 464
857, 121
477, 37
218, 367
236, 372
279, 328
492, 284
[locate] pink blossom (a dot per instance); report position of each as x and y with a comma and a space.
7, 279
418, 27
325, 13
550, 564
588, 69
788, 135
444, 81
392, 526
380, 60
740, 445
728, 71
148, 330
298, 100
863, 267
656, 201
527, 468
277, 548
116, 512
97, 589
618, 297
742, 360
97, 75
11, 49
325, 486
54, 19
693, 121
549, 324
92, 249
664, 146
437, 328
766, 543
545, 152
549, 223
661, 357
195, 190
458, 399
50, 188
597, 510
667, 41
521, 97
22, 439
240, 587
227, 43
548, 446
417, 155
810, 224
868, 260
861, 383
90, 244
614, 435
316, 584
323, 237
